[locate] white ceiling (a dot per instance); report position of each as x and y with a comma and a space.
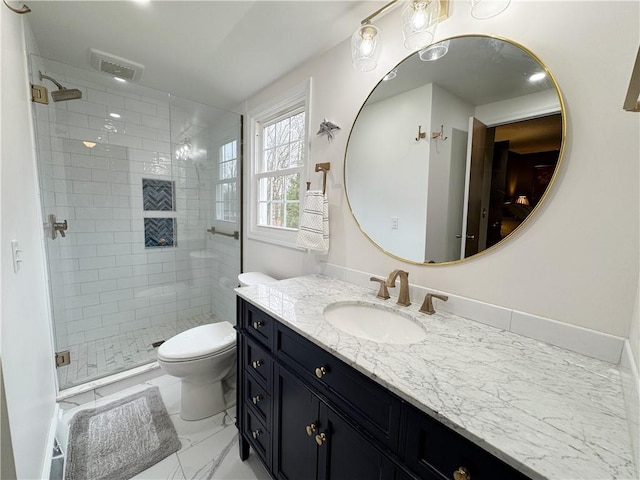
215, 52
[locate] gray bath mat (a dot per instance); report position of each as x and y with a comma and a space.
121, 439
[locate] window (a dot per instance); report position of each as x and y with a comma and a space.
226, 200
278, 164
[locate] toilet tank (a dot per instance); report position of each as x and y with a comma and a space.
247, 279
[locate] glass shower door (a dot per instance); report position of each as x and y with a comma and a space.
136, 264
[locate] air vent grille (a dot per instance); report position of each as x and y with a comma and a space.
117, 70
116, 66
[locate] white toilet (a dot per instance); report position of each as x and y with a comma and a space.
203, 357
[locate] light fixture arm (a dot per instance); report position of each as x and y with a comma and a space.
380, 11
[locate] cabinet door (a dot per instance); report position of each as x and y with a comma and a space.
345, 454
433, 449
295, 452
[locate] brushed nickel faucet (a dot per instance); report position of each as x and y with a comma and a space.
403, 296
382, 291
427, 305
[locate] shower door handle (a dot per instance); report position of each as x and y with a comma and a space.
55, 227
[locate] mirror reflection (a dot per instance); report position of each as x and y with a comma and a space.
454, 149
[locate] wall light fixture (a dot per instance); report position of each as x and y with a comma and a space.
419, 21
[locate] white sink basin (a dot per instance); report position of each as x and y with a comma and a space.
374, 322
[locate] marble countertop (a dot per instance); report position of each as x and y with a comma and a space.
549, 412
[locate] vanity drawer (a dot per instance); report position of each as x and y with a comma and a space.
432, 447
371, 405
258, 436
257, 324
257, 361
258, 399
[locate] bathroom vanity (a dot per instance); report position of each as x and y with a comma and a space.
468, 401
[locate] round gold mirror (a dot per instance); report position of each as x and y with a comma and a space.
454, 149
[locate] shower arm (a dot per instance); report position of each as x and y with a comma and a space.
42, 75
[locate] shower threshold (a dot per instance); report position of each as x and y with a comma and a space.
104, 361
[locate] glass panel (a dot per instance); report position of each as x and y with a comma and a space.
293, 205
110, 297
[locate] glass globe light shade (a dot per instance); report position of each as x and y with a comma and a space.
483, 9
364, 51
419, 20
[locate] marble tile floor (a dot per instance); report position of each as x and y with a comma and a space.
106, 356
209, 446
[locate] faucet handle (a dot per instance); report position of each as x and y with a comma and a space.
427, 305
382, 292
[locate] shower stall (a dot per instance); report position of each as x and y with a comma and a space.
140, 192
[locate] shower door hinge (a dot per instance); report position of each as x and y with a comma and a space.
63, 358
39, 94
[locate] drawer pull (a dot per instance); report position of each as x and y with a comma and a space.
256, 399
257, 325
256, 433
321, 372
310, 429
462, 474
321, 438
256, 364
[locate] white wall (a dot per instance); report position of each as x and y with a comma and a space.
377, 141
577, 260
452, 112
27, 354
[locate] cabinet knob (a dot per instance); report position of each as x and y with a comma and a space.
257, 325
310, 429
321, 372
256, 399
321, 438
256, 363
256, 433
462, 473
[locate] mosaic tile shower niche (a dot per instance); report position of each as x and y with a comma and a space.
137, 262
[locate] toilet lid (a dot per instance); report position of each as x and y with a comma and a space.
198, 342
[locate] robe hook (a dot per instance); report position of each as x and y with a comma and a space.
440, 134
421, 134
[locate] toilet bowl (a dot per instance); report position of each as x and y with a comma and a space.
204, 358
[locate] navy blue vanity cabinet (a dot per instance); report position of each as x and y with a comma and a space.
254, 399
435, 451
310, 416
372, 407
315, 442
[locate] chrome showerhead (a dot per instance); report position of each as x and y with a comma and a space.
62, 94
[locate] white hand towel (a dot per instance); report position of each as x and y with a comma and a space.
313, 233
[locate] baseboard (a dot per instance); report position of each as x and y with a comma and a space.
51, 437
578, 339
630, 387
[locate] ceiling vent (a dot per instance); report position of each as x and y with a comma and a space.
116, 66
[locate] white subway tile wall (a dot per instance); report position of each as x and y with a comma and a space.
104, 282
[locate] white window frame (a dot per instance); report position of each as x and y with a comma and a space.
299, 96
231, 180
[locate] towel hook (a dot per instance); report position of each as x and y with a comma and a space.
21, 10
440, 134
421, 134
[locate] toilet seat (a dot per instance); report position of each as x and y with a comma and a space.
198, 342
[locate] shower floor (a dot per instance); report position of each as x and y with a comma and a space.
99, 358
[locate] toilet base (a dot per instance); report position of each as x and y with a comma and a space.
201, 400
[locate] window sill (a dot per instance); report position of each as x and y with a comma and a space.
281, 242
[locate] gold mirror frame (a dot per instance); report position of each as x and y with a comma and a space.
535, 209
